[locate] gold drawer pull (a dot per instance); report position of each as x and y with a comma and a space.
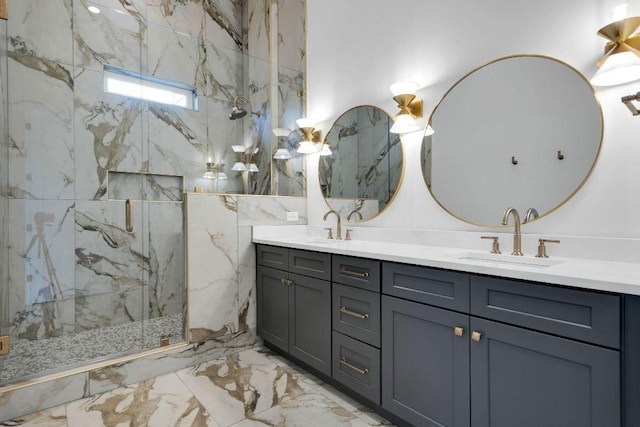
355, 368
353, 273
345, 310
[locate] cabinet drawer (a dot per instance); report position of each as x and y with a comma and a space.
357, 366
272, 256
356, 313
441, 288
312, 264
572, 313
358, 272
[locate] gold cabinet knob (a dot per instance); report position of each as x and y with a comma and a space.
475, 335
458, 331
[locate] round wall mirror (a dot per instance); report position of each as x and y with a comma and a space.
522, 132
363, 172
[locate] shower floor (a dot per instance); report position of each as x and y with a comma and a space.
56, 354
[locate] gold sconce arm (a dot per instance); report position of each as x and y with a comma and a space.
628, 101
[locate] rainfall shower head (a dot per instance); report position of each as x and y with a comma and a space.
237, 112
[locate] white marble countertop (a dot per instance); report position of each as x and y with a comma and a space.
610, 276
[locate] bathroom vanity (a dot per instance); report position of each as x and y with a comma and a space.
428, 346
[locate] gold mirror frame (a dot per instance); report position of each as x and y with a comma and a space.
563, 201
403, 164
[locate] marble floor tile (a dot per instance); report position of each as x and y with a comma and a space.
255, 387
311, 409
242, 385
54, 417
162, 401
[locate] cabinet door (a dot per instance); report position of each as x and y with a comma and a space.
310, 321
273, 306
531, 379
425, 365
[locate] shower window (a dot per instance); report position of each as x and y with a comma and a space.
140, 86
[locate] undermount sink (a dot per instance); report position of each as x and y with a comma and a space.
510, 259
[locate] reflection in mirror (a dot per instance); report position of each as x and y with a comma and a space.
521, 131
361, 176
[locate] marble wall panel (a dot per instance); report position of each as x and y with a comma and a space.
41, 282
246, 279
163, 188
175, 56
178, 142
187, 17
41, 153
223, 71
224, 23
257, 27
292, 39
134, 8
166, 259
109, 265
270, 210
29, 17
212, 243
114, 36
43, 395
108, 134
4, 201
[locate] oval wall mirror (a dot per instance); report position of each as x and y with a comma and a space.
363, 172
523, 131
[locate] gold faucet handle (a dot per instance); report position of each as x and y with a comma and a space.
348, 236
330, 236
495, 247
542, 249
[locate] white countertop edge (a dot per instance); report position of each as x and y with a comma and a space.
605, 276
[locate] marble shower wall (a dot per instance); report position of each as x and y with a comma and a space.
221, 259
274, 81
4, 206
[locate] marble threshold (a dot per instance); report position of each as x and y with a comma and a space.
254, 387
465, 251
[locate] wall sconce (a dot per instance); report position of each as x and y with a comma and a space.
310, 136
326, 151
404, 93
281, 153
621, 61
214, 171
245, 159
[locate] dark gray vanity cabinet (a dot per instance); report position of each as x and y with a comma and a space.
512, 353
425, 363
529, 379
294, 310
356, 325
434, 347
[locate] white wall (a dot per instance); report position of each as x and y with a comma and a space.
357, 48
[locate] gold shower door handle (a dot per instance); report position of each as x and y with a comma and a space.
128, 213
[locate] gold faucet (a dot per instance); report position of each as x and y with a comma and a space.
530, 215
338, 225
517, 238
354, 212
